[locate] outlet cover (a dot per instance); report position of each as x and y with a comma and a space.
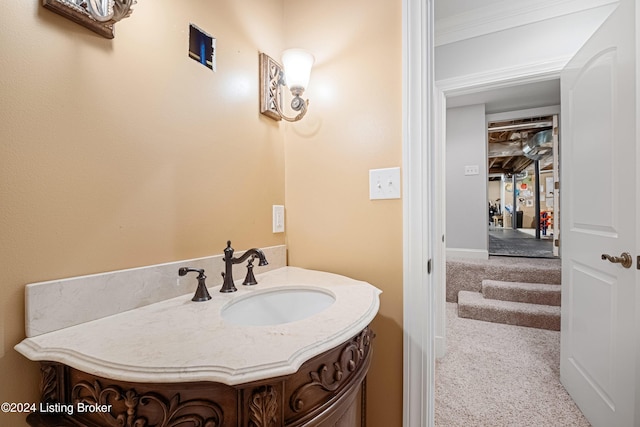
384, 183
278, 219
472, 170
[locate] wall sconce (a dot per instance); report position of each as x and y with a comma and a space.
273, 77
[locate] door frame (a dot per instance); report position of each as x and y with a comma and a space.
417, 144
423, 146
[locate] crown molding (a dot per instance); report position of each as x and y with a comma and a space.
508, 76
504, 15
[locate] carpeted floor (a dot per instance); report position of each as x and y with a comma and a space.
501, 375
468, 274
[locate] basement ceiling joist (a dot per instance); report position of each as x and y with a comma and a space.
506, 140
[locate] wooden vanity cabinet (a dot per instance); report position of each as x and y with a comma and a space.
327, 391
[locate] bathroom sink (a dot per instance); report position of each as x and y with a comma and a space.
277, 307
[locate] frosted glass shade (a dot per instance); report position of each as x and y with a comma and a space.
297, 65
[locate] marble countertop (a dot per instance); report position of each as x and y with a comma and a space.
178, 340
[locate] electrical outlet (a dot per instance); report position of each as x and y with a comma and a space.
278, 219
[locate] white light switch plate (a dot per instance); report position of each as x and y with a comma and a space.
384, 183
278, 219
472, 170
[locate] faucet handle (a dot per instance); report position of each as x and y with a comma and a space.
250, 279
202, 294
182, 271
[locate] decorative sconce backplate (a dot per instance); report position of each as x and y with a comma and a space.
270, 87
88, 13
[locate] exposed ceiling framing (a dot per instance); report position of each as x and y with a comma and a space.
507, 139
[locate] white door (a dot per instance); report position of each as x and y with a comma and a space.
598, 163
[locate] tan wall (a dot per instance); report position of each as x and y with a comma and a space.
353, 125
124, 153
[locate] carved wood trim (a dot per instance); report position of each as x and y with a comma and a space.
263, 407
173, 411
319, 394
49, 382
363, 403
331, 378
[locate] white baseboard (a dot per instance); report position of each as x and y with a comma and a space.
467, 253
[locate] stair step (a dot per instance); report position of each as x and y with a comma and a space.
467, 274
532, 293
472, 305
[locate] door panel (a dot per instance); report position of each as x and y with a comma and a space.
592, 96
598, 153
593, 302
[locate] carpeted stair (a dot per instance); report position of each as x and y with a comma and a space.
535, 305
534, 293
468, 274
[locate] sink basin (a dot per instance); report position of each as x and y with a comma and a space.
277, 307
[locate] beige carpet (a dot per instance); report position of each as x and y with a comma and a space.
468, 274
501, 375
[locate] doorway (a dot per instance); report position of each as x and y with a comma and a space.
504, 119
418, 49
522, 100
522, 200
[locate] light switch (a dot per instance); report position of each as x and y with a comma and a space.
384, 183
278, 219
472, 170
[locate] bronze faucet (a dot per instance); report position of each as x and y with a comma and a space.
201, 293
229, 260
